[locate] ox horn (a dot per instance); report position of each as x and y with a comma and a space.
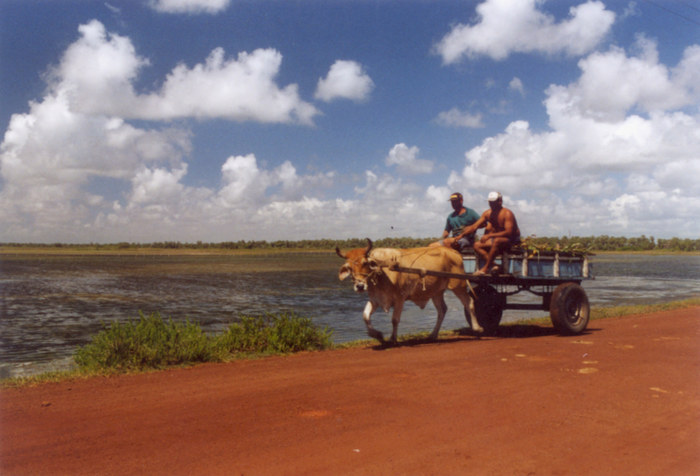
369, 248
337, 250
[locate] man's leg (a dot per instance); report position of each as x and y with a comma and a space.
498, 246
482, 249
490, 250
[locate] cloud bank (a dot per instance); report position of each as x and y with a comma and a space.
95, 160
619, 153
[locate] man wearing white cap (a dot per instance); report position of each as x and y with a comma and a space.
501, 233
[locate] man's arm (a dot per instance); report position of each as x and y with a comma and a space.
481, 222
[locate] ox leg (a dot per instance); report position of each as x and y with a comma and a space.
395, 319
367, 316
441, 306
468, 302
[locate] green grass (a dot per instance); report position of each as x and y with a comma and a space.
154, 343
273, 334
618, 311
149, 343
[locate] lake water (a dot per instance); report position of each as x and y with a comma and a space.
51, 304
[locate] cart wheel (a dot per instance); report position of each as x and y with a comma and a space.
569, 309
489, 308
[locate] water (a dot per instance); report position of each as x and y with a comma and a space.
52, 304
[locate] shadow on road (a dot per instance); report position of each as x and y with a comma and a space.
514, 331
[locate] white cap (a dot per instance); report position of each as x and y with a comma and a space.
494, 196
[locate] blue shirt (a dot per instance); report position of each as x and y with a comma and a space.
456, 223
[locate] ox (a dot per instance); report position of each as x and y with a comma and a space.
371, 271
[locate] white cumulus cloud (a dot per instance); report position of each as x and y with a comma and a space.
458, 118
56, 158
189, 6
406, 160
241, 89
98, 70
615, 154
345, 80
517, 85
612, 83
50, 154
518, 26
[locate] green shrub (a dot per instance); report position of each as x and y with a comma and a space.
150, 342
266, 334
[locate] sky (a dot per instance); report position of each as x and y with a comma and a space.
226, 120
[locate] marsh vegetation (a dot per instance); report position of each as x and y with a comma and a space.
152, 342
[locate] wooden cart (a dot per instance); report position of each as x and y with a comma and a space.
555, 277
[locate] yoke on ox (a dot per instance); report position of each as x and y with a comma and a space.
373, 270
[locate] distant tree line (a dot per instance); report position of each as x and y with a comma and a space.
592, 243
621, 243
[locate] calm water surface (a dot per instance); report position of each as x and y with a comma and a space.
51, 304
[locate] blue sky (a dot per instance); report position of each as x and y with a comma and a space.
219, 120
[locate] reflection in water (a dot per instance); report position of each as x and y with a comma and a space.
51, 304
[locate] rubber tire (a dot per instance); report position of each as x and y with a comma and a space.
569, 309
489, 308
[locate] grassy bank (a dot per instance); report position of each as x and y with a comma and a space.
152, 343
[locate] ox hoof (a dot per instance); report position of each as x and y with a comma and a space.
376, 335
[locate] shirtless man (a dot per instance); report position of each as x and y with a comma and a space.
501, 233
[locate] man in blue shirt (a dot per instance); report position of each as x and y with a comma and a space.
459, 219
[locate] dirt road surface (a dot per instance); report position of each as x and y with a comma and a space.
622, 398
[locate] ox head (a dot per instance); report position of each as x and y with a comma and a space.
359, 266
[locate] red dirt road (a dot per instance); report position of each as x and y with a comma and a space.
624, 398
